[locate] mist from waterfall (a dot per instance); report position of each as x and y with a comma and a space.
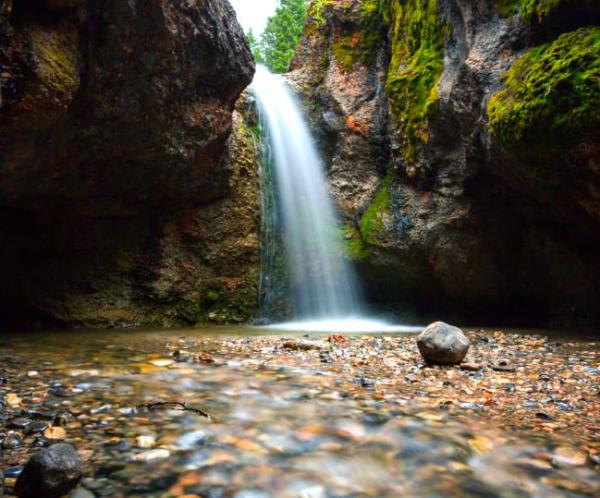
298, 214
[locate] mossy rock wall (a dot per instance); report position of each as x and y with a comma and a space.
484, 198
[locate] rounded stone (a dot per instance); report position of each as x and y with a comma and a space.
52, 473
443, 344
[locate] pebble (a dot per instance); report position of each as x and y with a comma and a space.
12, 441
81, 493
13, 400
149, 456
566, 456
145, 442
472, 367
19, 423
55, 433
13, 472
162, 362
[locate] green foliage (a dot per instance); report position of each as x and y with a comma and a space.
371, 223
417, 35
279, 40
552, 94
255, 47
358, 43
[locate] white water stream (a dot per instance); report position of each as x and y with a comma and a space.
323, 286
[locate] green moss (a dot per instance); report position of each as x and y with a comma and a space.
224, 303
552, 94
358, 42
56, 58
317, 11
417, 35
371, 224
355, 247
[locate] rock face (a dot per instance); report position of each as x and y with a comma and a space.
125, 198
443, 344
463, 151
52, 473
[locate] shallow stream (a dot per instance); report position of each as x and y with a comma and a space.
305, 417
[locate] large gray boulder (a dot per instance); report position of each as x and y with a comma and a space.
443, 344
52, 473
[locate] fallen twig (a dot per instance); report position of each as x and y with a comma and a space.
173, 405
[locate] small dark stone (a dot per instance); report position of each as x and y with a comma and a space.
60, 392
122, 446
13, 472
37, 427
183, 356
325, 356
544, 416
62, 419
500, 367
19, 423
472, 367
544, 378
41, 415
365, 382
12, 441
52, 473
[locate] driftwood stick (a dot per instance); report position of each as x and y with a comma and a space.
175, 405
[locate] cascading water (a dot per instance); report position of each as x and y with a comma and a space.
322, 283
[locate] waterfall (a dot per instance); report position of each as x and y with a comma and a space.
296, 202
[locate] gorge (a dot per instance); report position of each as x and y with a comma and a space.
212, 273
456, 201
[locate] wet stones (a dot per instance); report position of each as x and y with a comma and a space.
20, 423
51, 473
443, 344
304, 345
12, 441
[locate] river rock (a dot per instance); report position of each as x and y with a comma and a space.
52, 473
443, 344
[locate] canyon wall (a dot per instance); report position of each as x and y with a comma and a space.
128, 183
462, 141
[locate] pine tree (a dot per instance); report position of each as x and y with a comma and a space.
255, 46
281, 35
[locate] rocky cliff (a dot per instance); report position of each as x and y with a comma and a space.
462, 139
125, 198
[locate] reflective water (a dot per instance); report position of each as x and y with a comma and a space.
308, 418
